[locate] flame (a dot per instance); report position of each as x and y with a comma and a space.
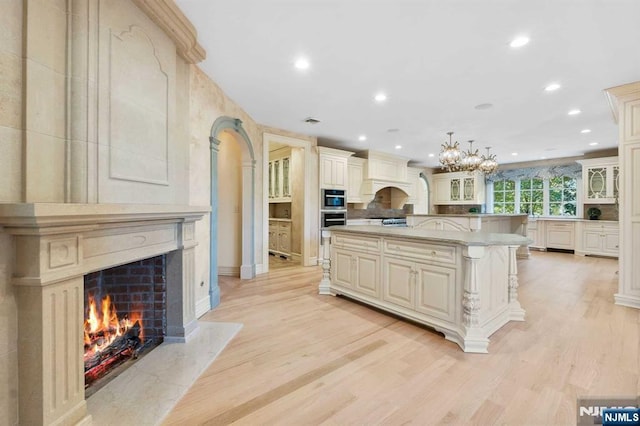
103, 326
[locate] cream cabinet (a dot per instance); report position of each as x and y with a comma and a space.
459, 188
598, 238
279, 168
560, 234
333, 168
601, 180
536, 233
280, 237
355, 172
355, 264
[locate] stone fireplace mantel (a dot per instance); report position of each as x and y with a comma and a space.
55, 246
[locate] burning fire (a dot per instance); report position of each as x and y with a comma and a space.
102, 326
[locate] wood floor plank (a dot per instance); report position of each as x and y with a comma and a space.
283, 367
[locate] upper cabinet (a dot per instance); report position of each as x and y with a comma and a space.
600, 177
280, 176
333, 168
459, 188
355, 173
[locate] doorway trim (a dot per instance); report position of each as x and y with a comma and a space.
248, 266
305, 246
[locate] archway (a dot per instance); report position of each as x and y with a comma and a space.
248, 266
426, 191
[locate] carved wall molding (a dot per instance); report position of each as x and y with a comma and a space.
172, 21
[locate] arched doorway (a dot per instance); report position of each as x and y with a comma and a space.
248, 265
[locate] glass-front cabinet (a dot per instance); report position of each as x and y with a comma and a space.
455, 189
280, 178
459, 188
601, 180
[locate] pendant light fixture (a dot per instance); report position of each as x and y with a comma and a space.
471, 159
450, 155
489, 165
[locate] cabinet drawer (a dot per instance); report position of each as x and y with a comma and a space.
285, 226
353, 242
421, 251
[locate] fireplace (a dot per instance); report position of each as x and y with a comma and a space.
56, 246
124, 318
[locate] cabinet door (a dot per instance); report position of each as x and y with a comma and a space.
286, 173
442, 190
355, 182
273, 236
343, 272
615, 182
271, 177
469, 188
455, 189
596, 183
436, 291
610, 242
399, 277
284, 237
276, 179
367, 279
560, 235
592, 241
340, 173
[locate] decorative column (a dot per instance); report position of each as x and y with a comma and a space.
625, 102
214, 289
474, 339
325, 282
248, 267
516, 313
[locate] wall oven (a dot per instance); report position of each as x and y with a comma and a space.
333, 199
333, 218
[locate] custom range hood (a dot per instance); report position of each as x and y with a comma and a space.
382, 171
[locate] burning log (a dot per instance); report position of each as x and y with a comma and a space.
122, 347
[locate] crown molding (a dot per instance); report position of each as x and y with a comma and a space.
167, 15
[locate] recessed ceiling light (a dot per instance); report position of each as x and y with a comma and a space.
301, 63
380, 97
514, 153
585, 131
483, 106
431, 155
543, 158
398, 146
551, 87
574, 112
519, 41
593, 143
362, 138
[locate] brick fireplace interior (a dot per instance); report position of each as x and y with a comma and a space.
136, 295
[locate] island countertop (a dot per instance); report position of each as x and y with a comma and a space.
457, 237
471, 215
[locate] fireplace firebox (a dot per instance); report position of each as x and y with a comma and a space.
125, 317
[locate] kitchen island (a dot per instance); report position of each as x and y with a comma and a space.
463, 284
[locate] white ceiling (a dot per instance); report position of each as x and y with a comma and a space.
436, 60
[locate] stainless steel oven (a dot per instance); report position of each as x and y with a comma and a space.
333, 199
333, 218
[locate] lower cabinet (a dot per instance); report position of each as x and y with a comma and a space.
280, 237
358, 271
560, 235
423, 287
599, 238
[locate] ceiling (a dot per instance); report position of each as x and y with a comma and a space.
436, 61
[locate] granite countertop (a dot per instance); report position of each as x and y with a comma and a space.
457, 237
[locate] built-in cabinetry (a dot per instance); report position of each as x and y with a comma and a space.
280, 237
459, 188
535, 232
600, 177
280, 175
355, 168
333, 168
598, 237
560, 234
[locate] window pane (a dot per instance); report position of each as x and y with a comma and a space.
510, 185
538, 209
554, 209
538, 196
525, 197
498, 197
537, 184
510, 196
570, 209
525, 184
555, 182
498, 185
555, 195
510, 208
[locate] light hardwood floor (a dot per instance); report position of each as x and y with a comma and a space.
305, 359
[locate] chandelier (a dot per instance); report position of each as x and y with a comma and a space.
450, 155
489, 165
452, 159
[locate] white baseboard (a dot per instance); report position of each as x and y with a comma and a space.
203, 306
229, 271
627, 300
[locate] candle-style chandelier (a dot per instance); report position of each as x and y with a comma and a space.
452, 159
